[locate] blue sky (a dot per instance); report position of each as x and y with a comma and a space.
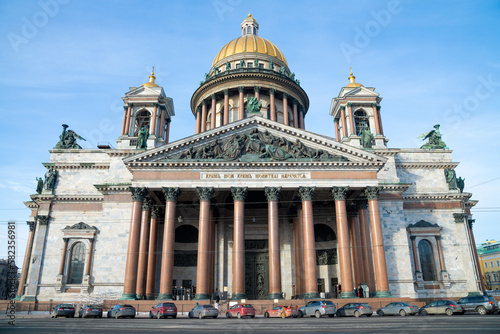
71, 61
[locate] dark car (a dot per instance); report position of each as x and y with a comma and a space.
398, 308
63, 310
87, 311
241, 310
163, 310
448, 307
355, 309
480, 304
203, 311
122, 311
318, 308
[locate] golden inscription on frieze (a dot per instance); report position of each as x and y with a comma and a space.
256, 176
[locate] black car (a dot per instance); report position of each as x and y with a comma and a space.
122, 311
63, 310
480, 304
87, 311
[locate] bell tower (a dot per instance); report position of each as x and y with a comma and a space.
147, 115
356, 115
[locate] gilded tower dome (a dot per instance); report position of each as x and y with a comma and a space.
250, 41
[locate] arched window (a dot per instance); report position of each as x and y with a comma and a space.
76, 263
427, 260
186, 234
494, 275
323, 232
209, 121
142, 118
249, 30
360, 120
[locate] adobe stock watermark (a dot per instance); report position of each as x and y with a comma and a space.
11, 273
31, 25
371, 29
223, 6
460, 111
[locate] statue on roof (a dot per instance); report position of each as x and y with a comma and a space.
256, 63
67, 140
271, 65
366, 137
242, 63
142, 138
292, 76
39, 185
207, 76
228, 66
253, 105
434, 139
461, 184
216, 70
282, 70
50, 180
451, 178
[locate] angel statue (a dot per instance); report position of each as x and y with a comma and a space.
434, 139
67, 139
142, 138
366, 137
253, 105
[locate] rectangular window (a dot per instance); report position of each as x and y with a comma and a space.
491, 264
238, 65
261, 65
486, 264
498, 263
249, 65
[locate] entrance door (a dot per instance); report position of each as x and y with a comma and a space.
256, 269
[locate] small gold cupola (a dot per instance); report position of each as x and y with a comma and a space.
152, 78
352, 83
249, 26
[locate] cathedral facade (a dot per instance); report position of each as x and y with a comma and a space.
252, 204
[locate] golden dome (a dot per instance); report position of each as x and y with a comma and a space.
151, 82
249, 43
250, 18
352, 83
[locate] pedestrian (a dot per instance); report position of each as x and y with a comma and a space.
216, 299
360, 292
367, 291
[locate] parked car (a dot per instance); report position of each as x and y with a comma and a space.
318, 308
355, 309
398, 308
88, 310
448, 307
203, 311
241, 310
163, 310
63, 310
282, 311
481, 304
121, 311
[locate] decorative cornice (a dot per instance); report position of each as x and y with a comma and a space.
76, 198
394, 187
426, 165
272, 193
31, 205
81, 165
239, 193
436, 197
339, 193
138, 193
371, 193
113, 187
121, 153
171, 193
423, 224
205, 193
306, 193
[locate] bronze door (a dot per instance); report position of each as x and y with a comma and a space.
256, 270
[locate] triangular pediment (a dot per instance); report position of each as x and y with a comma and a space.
255, 141
360, 91
143, 91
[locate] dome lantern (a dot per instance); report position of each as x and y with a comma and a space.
249, 26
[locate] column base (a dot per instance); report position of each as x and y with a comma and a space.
239, 296
163, 296
141, 297
383, 294
350, 294
28, 298
202, 296
150, 296
18, 297
277, 295
311, 295
128, 296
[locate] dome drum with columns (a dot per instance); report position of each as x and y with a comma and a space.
249, 67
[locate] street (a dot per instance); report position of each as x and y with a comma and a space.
375, 324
